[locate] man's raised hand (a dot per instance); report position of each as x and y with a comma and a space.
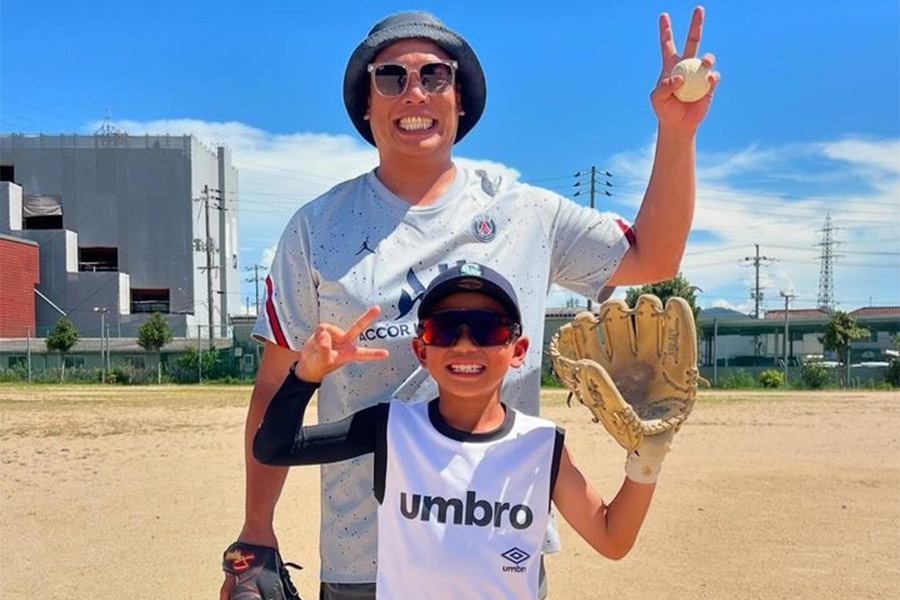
671, 111
330, 347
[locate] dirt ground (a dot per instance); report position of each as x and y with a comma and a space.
110, 493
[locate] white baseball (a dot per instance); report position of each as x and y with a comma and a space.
695, 83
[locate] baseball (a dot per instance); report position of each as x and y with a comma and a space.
695, 82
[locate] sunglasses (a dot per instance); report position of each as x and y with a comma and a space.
485, 328
392, 79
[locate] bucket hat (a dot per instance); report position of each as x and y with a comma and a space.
407, 25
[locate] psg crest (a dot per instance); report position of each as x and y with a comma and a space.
484, 228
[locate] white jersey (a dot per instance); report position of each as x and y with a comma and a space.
359, 245
463, 515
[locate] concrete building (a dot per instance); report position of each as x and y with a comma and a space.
122, 223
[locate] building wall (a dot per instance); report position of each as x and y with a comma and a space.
134, 193
10, 207
19, 275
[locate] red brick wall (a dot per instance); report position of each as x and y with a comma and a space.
19, 274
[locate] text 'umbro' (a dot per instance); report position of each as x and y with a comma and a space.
480, 513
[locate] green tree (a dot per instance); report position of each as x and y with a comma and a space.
61, 339
677, 286
893, 373
152, 336
840, 330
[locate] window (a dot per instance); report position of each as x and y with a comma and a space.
42, 211
149, 300
17, 361
74, 361
98, 259
8, 173
136, 361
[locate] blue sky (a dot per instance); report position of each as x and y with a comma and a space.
806, 119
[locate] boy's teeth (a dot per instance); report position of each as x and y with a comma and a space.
416, 123
466, 368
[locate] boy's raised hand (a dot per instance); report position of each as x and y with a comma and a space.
330, 347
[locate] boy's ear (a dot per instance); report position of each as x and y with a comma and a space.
419, 349
520, 349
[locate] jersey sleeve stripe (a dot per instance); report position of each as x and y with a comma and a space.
627, 230
274, 323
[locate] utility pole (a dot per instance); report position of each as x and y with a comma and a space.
593, 192
784, 342
255, 279
715, 352
104, 335
219, 196
756, 262
199, 356
209, 285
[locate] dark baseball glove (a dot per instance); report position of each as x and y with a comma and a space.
259, 573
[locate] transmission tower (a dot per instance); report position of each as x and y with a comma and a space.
826, 269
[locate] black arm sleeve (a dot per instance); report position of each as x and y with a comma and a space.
282, 440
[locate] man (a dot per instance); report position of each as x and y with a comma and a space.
413, 88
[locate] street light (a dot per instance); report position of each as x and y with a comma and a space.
788, 296
104, 364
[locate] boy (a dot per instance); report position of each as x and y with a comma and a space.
464, 483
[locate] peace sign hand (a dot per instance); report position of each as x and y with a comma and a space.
671, 111
330, 347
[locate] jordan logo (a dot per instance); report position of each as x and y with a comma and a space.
365, 247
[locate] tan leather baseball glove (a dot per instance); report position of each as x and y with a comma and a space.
635, 369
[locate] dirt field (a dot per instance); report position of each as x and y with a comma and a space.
112, 493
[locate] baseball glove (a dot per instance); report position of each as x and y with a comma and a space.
259, 572
635, 369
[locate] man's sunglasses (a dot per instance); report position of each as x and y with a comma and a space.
392, 79
485, 328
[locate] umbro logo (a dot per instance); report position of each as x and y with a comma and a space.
516, 556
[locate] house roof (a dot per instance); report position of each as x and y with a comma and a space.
797, 313
877, 311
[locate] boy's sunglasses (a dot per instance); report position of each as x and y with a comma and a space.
392, 79
485, 328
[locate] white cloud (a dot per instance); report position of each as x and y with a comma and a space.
872, 154
776, 197
268, 256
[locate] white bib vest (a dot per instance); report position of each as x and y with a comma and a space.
463, 516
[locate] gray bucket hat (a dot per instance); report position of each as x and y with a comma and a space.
406, 25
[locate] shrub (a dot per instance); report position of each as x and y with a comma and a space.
119, 375
737, 379
549, 379
815, 375
772, 378
893, 373
13, 374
